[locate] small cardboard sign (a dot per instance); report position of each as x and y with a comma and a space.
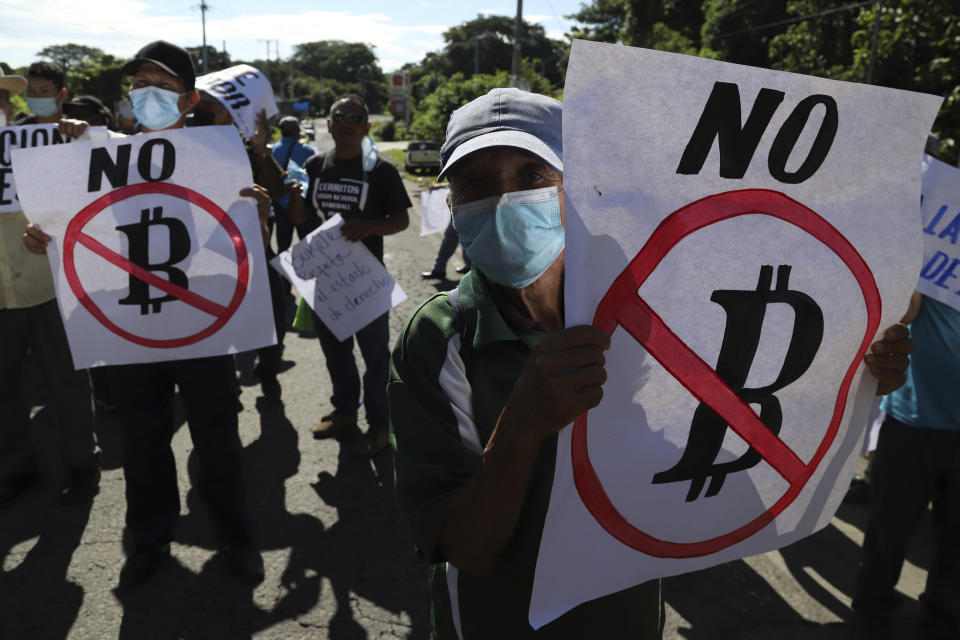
342, 281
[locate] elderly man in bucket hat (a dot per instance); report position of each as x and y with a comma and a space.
484, 376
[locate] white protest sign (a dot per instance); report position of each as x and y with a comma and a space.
244, 91
342, 281
22, 137
736, 278
941, 232
155, 255
434, 212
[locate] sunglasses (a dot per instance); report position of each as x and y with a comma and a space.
341, 116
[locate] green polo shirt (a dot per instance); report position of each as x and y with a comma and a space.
448, 384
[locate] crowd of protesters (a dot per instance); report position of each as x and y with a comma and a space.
473, 444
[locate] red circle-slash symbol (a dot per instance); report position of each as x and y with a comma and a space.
623, 306
74, 234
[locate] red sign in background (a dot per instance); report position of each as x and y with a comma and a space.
623, 306
74, 234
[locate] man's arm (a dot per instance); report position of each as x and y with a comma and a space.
562, 379
269, 173
356, 230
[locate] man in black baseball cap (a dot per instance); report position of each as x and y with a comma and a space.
90, 109
162, 92
169, 57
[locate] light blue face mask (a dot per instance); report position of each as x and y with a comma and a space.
512, 238
155, 108
43, 107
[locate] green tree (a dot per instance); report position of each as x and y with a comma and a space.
430, 120
602, 20
347, 63
216, 60
918, 49
71, 56
740, 30
485, 44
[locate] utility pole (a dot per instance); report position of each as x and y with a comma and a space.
203, 18
515, 65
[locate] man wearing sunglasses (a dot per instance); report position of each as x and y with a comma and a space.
373, 203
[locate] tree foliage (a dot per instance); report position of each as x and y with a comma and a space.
341, 67
918, 44
434, 111
216, 60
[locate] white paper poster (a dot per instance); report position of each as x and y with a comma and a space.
940, 275
741, 280
342, 281
434, 212
155, 255
22, 137
244, 90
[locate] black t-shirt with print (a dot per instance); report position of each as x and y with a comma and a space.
339, 185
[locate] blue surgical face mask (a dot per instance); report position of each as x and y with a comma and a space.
154, 107
43, 107
512, 238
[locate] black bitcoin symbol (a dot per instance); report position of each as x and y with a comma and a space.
745, 312
138, 240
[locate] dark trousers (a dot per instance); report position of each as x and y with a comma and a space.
448, 246
285, 227
39, 329
373, 341
144, 397
911, 467
272, 356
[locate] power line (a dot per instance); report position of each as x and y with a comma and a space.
779, 23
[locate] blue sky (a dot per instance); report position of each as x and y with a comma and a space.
401, 31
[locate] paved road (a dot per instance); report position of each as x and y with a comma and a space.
339, 562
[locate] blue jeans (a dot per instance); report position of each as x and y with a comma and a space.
373, 341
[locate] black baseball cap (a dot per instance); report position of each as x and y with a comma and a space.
169, 57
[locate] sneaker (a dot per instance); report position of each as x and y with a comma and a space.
82, 484
463, 269
12, 487
433, 275
332, 424
142, 564
245, 561
371, 443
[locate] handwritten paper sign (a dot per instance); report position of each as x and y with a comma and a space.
940, 275
434, 212
244, 91
155, 255
342, 281
725, 230
23, 137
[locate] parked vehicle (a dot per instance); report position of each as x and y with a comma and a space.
422, 154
